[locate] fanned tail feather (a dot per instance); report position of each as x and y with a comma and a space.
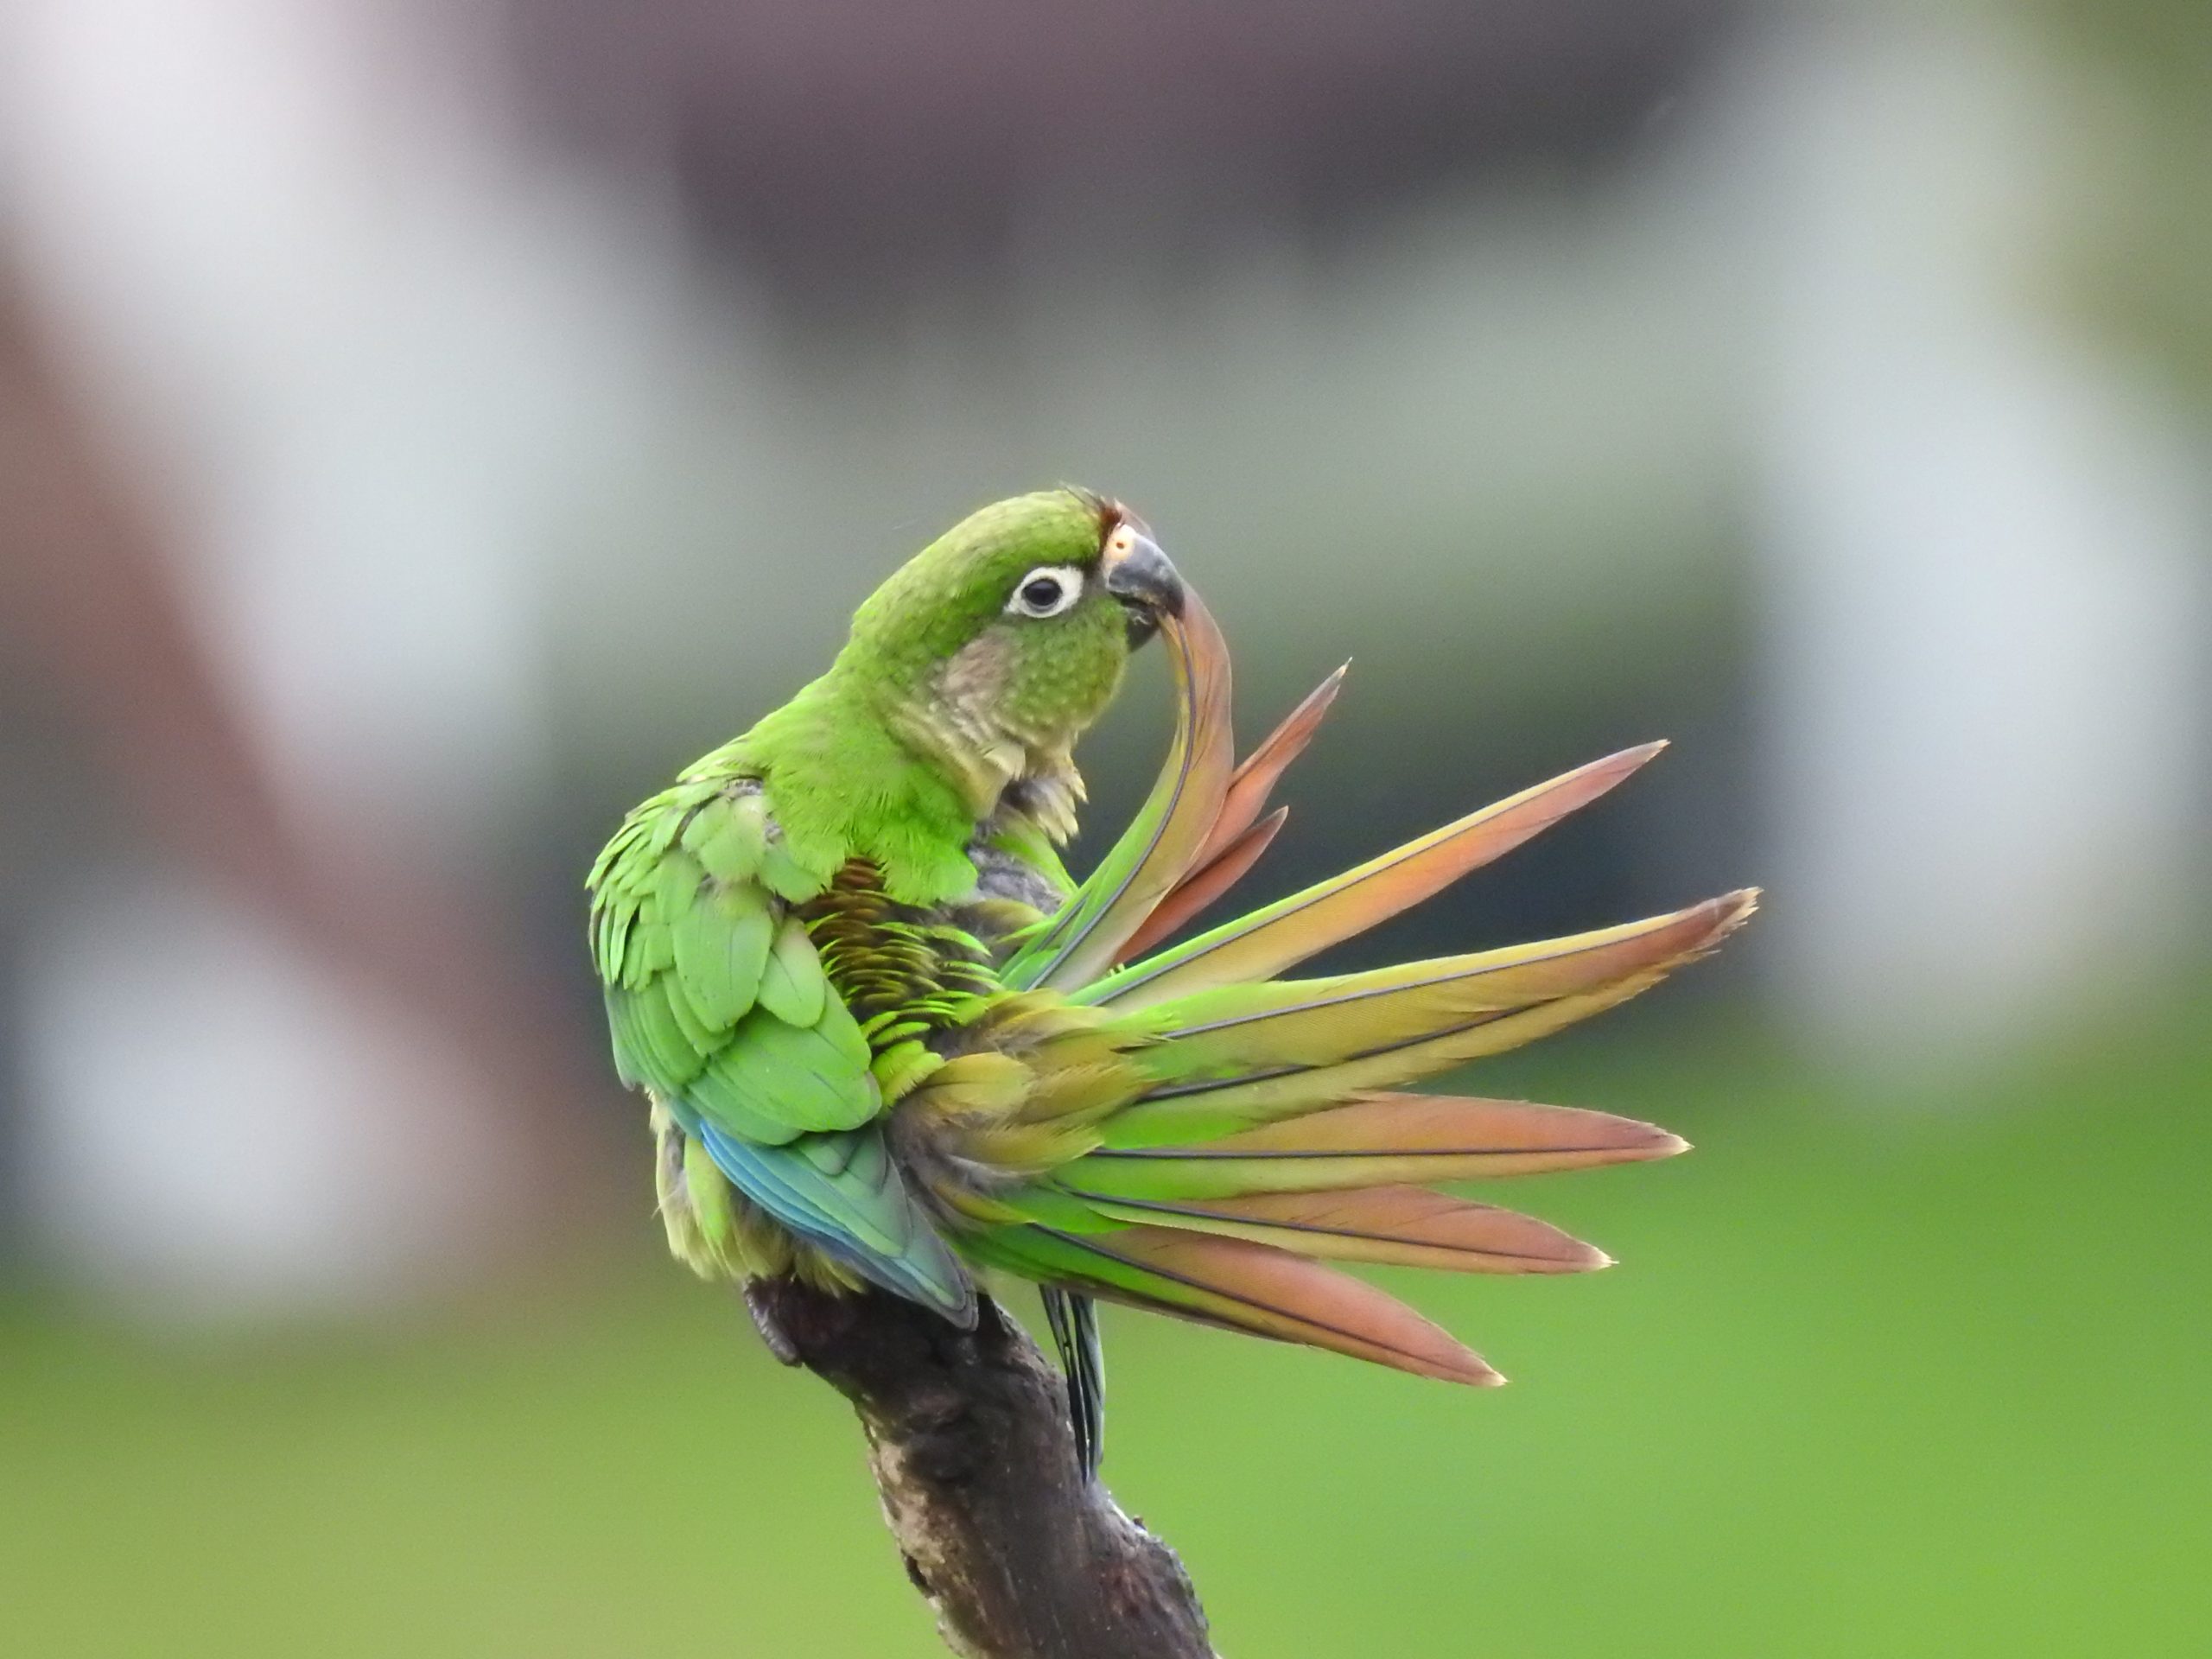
1241, 1285
1199, 832
1256, 1127
1161, 844
1380, 1140
1206, 884
1281, 935
1256, 777
1239, 835
1233, 1059
1401, 1226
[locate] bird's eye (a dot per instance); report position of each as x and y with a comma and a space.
1047, 591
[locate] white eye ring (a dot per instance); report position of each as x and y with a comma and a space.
1047, 591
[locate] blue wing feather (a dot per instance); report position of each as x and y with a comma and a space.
842, 1193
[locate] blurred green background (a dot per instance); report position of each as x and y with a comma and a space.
424, 428
1872, 1380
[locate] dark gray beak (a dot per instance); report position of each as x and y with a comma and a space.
1138, 573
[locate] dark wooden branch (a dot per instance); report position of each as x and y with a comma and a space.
1021, 1556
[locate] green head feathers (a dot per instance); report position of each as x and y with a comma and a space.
1015, 624
972, 670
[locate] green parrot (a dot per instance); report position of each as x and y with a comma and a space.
888, 1042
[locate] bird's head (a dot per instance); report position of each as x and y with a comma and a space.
998, 644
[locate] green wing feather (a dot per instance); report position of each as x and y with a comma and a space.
717, 999
721, 1007
793, 988
844, 1194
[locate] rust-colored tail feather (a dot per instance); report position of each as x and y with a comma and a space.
1271, 1292
1400, 1226
1203, 885
1254, 780
1281, 935
1228, 1127
1380, 1140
